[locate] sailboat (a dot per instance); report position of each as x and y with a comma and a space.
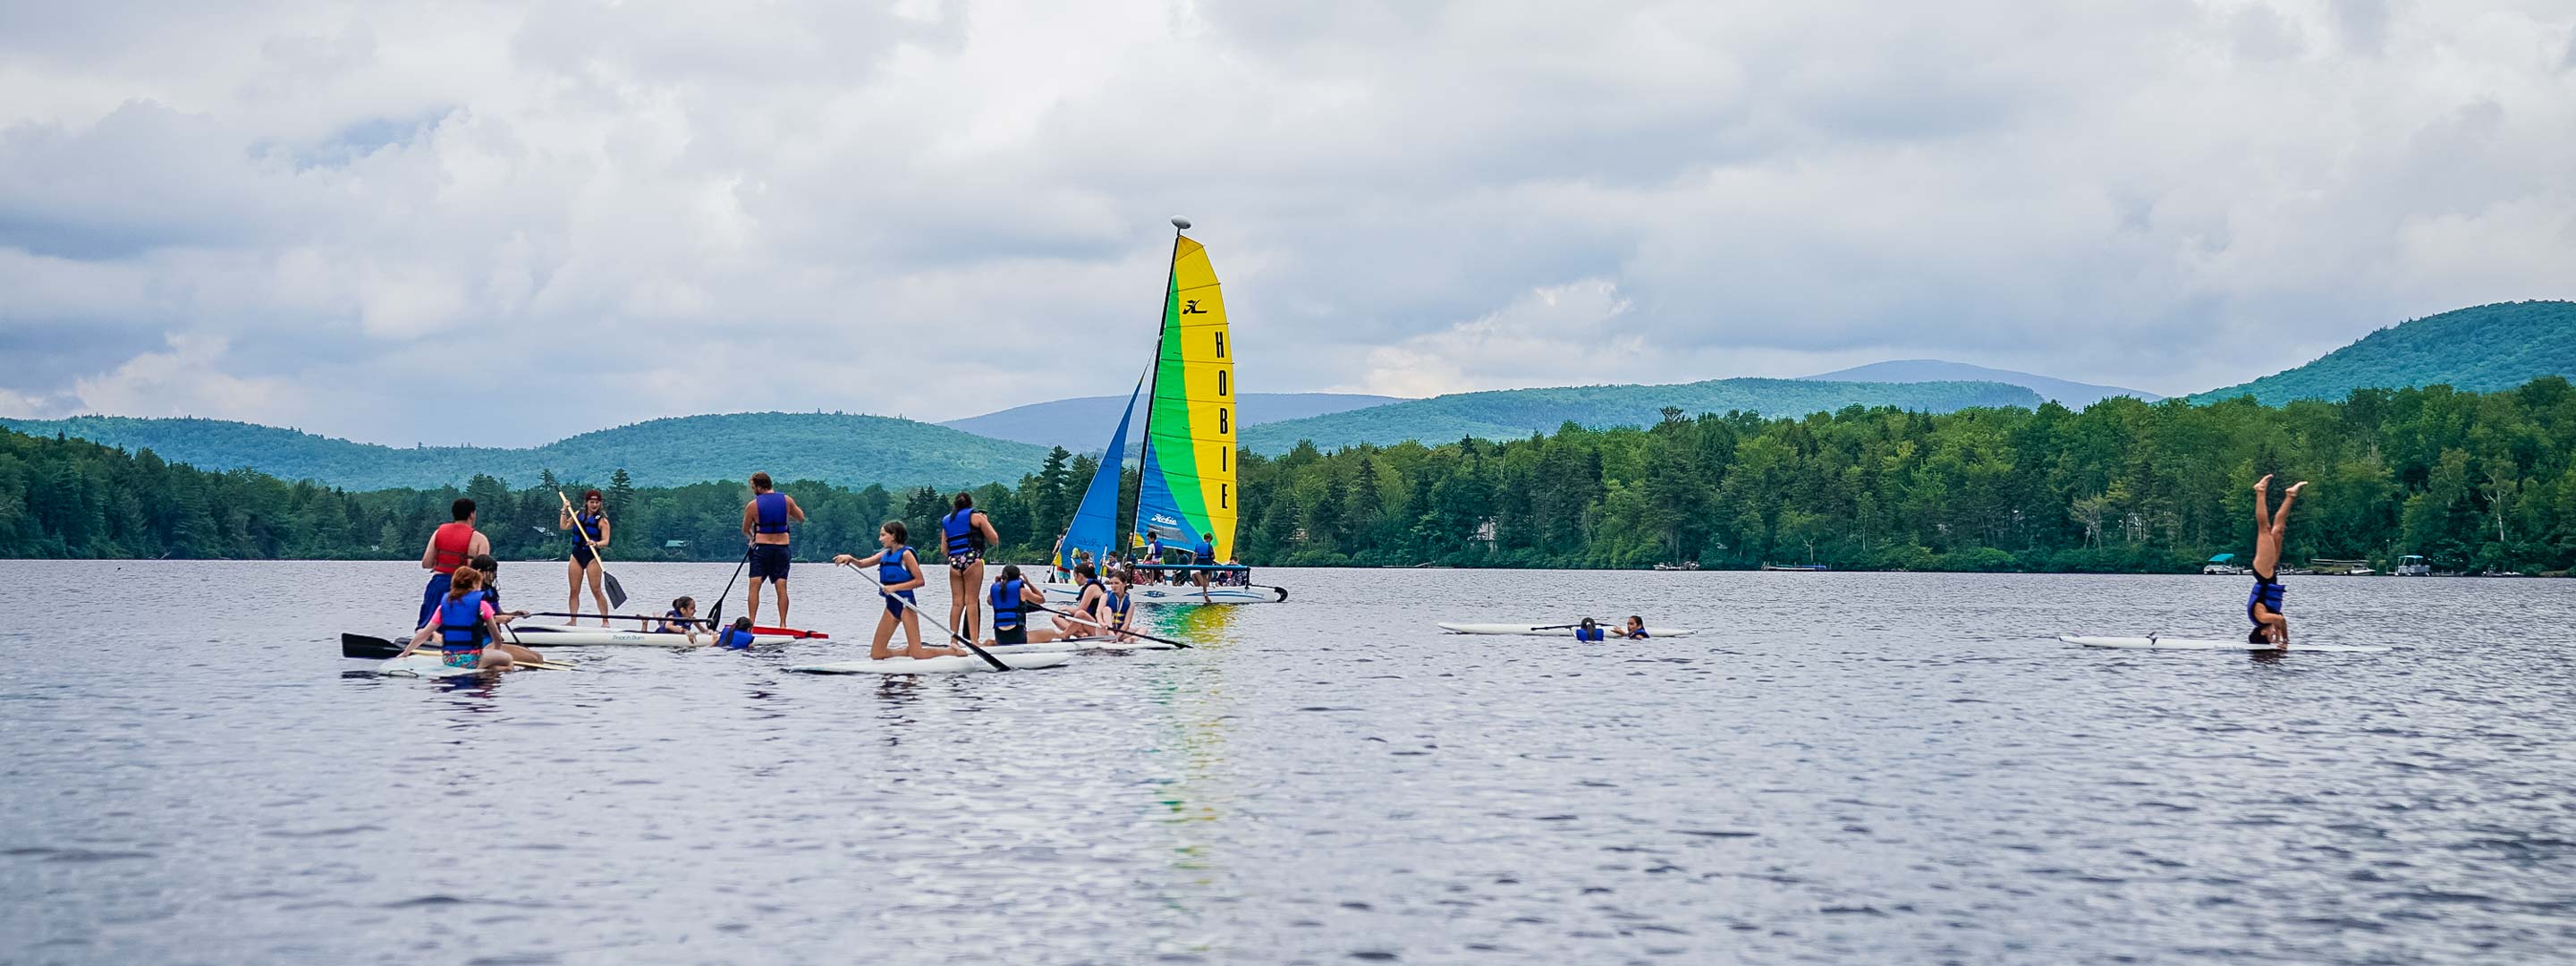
1186, 488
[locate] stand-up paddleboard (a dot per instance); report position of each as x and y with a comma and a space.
422, 665
1548, 630
559, 635
2159, 643
961, 664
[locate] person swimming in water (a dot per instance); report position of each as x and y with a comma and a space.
1588, 631
1636, 629
2263, 606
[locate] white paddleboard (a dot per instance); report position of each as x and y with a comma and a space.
965, 664
558, 635
422, 664
1534, 630
2189, 644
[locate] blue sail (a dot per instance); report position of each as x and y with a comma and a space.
1095, 522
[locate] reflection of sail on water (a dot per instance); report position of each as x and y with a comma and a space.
1095, 522
1188, 466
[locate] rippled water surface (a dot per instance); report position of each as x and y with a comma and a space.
1840, 767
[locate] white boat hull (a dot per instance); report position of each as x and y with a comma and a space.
1177, 594
1534, 630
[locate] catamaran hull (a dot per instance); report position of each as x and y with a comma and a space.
1178, 594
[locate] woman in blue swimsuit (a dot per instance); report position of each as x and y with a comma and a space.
899, 572
2263, 606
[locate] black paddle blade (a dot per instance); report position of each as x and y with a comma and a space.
362, 646
616, 591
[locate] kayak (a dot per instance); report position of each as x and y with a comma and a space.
559, 635
966, 664
1544, 630
2188, 644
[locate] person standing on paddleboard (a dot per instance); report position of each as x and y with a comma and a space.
2263, 606
449, 548
765, 522
1204, 556
899, 573
592, 518
965, 534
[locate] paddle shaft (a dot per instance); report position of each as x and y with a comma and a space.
715, 615
1105, 627
934, 622
616, 591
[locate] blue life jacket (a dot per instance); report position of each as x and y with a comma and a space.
771, 510
1154, 550
670, 616
460, 623
589, 524
1592, 633
1005, 598
1203, 554
890, 568
2266, 593
736, 639
959, 528
1118, 604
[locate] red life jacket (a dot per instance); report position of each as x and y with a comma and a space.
450, 544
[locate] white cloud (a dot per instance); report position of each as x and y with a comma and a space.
795, 205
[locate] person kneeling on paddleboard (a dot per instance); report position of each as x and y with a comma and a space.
2263, 605
463, 625
898, 573
1117, 605
1588, 631
738, 637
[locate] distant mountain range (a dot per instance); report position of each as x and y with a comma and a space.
1514, 413
2482, 349
1083, 424
843, 449
2072, 394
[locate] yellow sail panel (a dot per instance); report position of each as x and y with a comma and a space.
1189, 489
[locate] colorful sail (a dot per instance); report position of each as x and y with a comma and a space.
1095, 521
1188, 488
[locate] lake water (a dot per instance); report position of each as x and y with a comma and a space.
1839, 768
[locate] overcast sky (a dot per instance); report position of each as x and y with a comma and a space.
442, 222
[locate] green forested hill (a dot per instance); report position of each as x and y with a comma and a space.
2480, 349
1516, 413
845, 449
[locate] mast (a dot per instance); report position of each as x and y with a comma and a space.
1154, 379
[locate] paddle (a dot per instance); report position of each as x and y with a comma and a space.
616, 591
925, 615
1104, 627
715, 614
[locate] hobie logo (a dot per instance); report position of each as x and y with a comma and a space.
1191, 307
1166, 521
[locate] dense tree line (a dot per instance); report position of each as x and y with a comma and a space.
2475, 481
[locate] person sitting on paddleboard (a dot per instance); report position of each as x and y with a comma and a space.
738, 637
491, 571
464, 625
898, 572
1084, 616
1117, 606
2263, 606
682, 618
592, 520
965, 533
1010, 600
1589, 630
765, 523
449, 548
1636, 629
